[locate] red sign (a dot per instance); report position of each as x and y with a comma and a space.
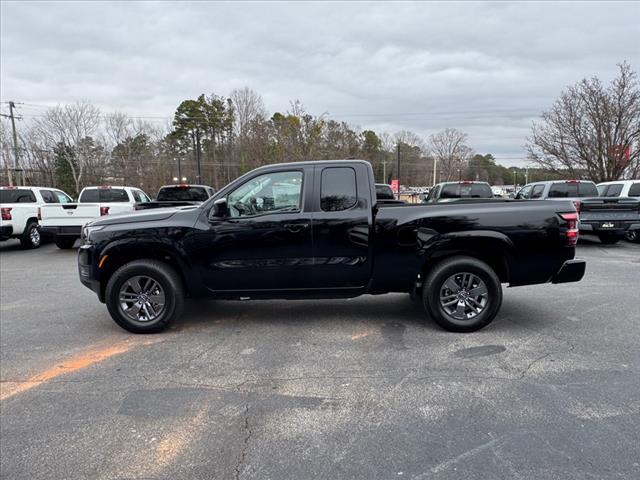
394, 186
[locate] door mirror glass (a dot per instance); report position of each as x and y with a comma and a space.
220, 208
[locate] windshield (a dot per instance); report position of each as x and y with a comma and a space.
573, 189
183, 193
111, 195
466, 190
384, 192
17, 196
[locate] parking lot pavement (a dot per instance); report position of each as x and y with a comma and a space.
357, 388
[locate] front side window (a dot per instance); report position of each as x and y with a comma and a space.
62, 197
613, 190
269, 193
634, 191
524, 192
537, 191
338, 189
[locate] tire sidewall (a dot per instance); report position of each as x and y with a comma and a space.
431, 293
27, 241
171, 293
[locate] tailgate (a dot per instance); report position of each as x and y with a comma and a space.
68, 214
609, 209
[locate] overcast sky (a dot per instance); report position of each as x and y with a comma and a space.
486, 68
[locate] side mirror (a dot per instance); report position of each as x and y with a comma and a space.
220, 208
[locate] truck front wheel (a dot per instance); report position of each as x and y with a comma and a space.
462, 294
609, 238
144, 296
65, 243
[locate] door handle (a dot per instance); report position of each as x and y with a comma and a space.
296, 227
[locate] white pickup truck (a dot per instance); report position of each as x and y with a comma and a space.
20, 212
65, 222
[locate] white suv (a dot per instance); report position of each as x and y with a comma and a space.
20, 212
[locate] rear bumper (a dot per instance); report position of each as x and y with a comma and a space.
571, 271
5, 232
72, 231
613, 226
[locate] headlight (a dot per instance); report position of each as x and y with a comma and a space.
87, 230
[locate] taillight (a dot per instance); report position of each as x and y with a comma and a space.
6, 213
572, 228
39, 214
577, 204
104, 211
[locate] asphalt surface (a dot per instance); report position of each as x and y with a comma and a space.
361, 388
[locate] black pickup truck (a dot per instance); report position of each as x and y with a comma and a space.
178, 196
315, 229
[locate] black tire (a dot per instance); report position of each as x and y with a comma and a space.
633, 236
165, 276
31, 237
454, 267
609, 238
65, 243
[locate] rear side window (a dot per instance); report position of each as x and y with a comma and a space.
573, 189
62, 197
182, 194
17, 196
338, 189
48, 196
634, 191
104, 195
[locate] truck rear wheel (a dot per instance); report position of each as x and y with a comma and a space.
144, 296
462, 294
31, 236
609, 238
65, 243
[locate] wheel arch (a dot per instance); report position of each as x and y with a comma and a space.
115, 256
493, 248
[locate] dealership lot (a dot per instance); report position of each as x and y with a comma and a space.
357, 388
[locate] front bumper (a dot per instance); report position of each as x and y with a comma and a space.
571, 271
87, 270
6, 231
57, 231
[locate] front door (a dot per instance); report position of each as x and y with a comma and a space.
265, 242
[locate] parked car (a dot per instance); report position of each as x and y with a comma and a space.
314, 229
622, 188
608, 218
64, 222
451, 191
178, 196
385, 195
20, 210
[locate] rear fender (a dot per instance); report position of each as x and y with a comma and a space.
494, 248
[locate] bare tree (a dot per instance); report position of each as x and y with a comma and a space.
71, 125
592, 129
249, 107
449, 149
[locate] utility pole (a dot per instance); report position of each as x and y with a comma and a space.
16, 164
435, 162
398, 170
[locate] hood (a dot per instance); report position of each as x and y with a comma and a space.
136, 217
